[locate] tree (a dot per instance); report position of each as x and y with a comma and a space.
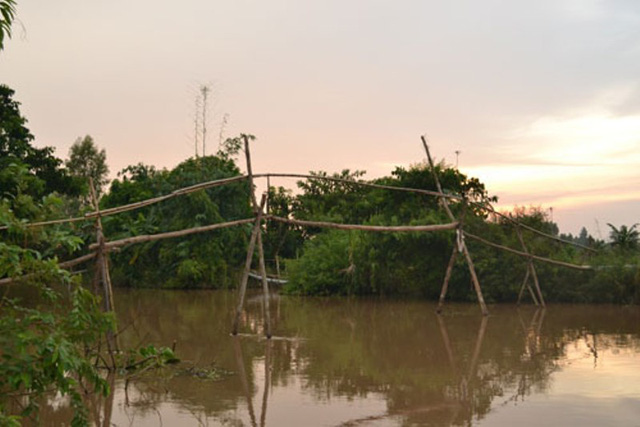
201, 260
625, 238
87, 161
16, 149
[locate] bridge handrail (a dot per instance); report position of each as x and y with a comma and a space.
379, 228
527, 255
224, 181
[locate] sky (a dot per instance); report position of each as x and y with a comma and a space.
541, 99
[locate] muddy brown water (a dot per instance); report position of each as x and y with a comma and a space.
375, 362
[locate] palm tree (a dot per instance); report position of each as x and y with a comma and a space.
625, 237
7, 15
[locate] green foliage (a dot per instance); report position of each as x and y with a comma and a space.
200, 260
414, 263
324, 268
624, 238
372, 263
40, 172
281, 240
86, 161
48, 341
148, 357
50, 329
7, 15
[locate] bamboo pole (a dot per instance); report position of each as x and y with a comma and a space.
265, 288
447, 277
534, 274
171, 234
445, 204
380, 228
263, 269
63, 265
103, 265
247, 268
359, 183
186, 190
474, 278
247, 154
457, 247
491, 209
102, 262
50, 222
525, 284
268, 195
465, 250
178, 192
536, 257
531, 267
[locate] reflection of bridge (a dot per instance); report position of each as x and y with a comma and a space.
451, 371
102, 247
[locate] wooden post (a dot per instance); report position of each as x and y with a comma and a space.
102, 265
531, 267
247, 267
102, 261
268, 195
525, 284
252, 190
465, 251
265, 288
263, 269
447, 277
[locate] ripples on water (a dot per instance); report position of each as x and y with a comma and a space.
373, 362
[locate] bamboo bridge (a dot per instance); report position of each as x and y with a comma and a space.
99, 251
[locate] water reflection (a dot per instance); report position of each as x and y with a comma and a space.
364, 362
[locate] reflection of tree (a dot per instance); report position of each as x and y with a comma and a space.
448, 368
431, 370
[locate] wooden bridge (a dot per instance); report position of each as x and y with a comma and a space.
100, 249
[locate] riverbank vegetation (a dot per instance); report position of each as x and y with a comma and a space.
55, 337
335, 262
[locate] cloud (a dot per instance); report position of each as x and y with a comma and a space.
570, 160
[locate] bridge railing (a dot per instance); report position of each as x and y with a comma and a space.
102, 246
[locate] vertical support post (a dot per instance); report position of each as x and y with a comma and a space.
268, 195
265, 288
247, 266
474, 278
525, 284
465, 251
263, 269
102, 262
447, 277
531, 267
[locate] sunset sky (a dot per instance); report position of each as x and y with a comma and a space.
542, 99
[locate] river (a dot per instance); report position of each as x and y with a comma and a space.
375, 362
